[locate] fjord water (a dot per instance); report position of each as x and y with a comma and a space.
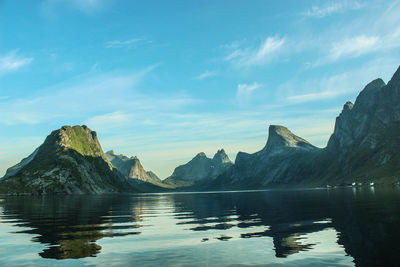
338, 227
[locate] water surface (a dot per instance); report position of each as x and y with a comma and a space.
340, 227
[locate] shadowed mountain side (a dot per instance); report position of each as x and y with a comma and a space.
199, 169
365, 144
363, 148
283, 160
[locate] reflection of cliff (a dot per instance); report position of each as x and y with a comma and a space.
370, 231
367, 222
70, 226
286, 217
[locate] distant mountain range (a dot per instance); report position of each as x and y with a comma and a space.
200, 169
365, 147
131, 167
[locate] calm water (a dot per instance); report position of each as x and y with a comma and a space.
341, 227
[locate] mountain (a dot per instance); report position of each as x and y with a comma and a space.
70, 161
365, 144
282, 160
153, 176
199, 168
364, 147
131, 167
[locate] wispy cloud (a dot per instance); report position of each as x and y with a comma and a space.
354, 46
244, 91
74, 95
131, 43
347, 83
206, 74
12, 62
359, 45
263, 54
332, 8
112, 119
314, 96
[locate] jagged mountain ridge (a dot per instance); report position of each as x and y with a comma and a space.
199, 168
364, 147
275, 163
131, 167
365, 144
70, 161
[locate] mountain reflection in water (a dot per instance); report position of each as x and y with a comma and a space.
342, 227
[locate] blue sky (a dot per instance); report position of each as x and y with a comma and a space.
164, 80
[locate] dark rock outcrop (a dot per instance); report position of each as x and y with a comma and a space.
282, 160
364, 147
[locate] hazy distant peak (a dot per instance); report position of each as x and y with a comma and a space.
201, 155
221, 156
110, 152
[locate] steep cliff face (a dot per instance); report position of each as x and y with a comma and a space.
365, 143
364, 147
131, 167
199, 168
70, 161
282, 160
356, 121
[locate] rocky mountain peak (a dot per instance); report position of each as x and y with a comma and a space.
201, 155
348, 106
70, 160
131, 167
78, 138
395, 81
367, 97
221, 157
280, 137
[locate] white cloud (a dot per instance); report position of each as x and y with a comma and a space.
113, 119
378, 37
131, 43
70, 99
320, 89
206, 74
332, 8
349, 82
263, 54
314, 96
244, 92
353, 47
359, 45
12, 62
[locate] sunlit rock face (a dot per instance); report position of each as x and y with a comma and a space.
70, 161
131, 167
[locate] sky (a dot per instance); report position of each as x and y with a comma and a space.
165, 80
